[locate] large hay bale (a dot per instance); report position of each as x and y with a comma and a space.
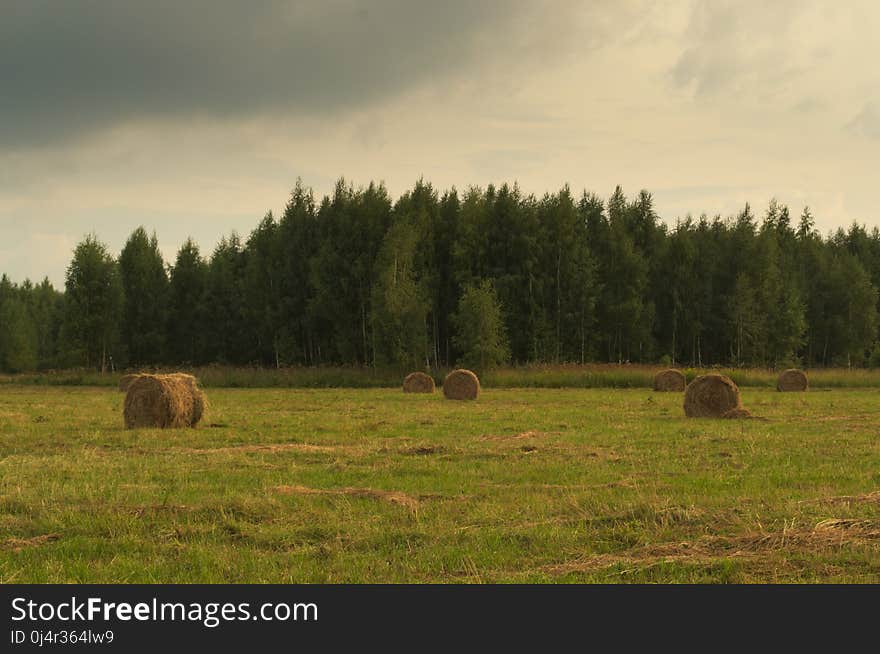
671, 380
162, 401
792, 380
125, 381
711, 396
418, 382
200, 401
461, 384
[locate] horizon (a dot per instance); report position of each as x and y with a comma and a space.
170, 250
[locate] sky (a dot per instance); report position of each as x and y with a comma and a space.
195, 118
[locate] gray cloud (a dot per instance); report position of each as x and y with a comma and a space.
736, 46
194, 118
70, 68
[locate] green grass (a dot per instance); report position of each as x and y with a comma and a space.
524, 485
531, 376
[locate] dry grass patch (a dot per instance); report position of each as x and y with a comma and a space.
740, 414
516, 437
279, 447
423, 450
395, 497
18, 544
872, 497
709, 549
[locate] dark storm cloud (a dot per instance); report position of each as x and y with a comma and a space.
68, 68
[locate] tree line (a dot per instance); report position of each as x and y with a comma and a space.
479, 278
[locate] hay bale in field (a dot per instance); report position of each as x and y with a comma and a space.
200, 401
671, 380
163, 401
792, 380
125, 381
711, 396
461, 384
418, 382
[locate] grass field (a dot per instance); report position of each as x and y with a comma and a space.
371, 485
590, 375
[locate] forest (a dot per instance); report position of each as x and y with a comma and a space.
483, 277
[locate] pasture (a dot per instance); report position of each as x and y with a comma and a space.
371, 485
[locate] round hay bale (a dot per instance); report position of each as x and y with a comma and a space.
125, 381
461, 384
792, 380
418, 382
671, 380
161, 401
200, 401
711, 396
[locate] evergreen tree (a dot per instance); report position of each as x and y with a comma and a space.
431, 266
569, 278
45, 305
18, 336
186, 306
352, 225
262, 291
298, 238
677, 295
623, 275
145, 290
226, 333
93, 304
356, 280
748, 322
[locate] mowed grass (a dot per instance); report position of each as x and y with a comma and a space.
371, 485
590, 375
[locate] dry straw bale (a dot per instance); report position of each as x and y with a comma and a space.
418, 382
125, 381
670, 380
200, 401
461, 385
792, 380
163, 401
711, 396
